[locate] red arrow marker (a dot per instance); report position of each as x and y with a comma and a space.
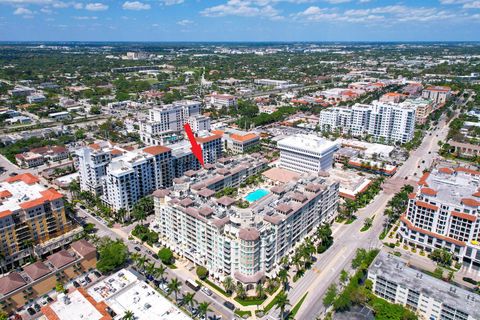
196, 148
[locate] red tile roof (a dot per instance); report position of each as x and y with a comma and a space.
426, 205
246, 137
423, 179
428, 191
465, 216
155, 150
5, 213
470, 202
208, 139
28, 178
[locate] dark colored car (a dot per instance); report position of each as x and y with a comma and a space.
229, 305
82, 207
137, 248
31, 311
97, 274
49, 299
155, 256
87, 279
13, 174
76, 284
37, 307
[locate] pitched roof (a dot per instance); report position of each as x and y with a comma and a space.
36, 270
226, 201
83, 247
28, 178
243, 138
11, 282
249, 234
155, 150
60, 258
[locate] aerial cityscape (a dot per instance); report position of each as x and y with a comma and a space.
228, 159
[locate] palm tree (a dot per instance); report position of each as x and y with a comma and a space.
134, 257
297, 261
188, 300
241, 293
160, 271
203, 309
228, 284
174, 286
260, 291
150, 268
281, 303
142, 260
283, 276
128, 315
271, 284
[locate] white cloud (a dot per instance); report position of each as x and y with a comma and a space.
172, 2
337, 1
96, 6
135, 5
244, 8
85, 18
472, 5
184, 22
22, 11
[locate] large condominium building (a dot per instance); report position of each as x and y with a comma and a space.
169, 118
121, 177
383, 121
274, 83
439, 94
306, 153
246, 244
444, 213
32, 219
394, 280
238, 141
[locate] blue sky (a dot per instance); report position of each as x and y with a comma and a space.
240, 20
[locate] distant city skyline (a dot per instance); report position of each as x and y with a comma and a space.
237, 20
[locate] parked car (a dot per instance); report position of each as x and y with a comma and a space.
49, 299
207, 291
31, 311
37, 307
229, 305
137, 248
97, 273
87, 279
76, 284
82, 207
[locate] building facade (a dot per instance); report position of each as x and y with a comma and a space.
439, 94
246, 244
430, 298
386, 122
32, 219
306, 153
444, 213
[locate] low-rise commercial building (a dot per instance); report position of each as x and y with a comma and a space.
431, 298
38, 156
37, 279
219, 101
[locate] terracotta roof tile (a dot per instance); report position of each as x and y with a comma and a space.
156, 150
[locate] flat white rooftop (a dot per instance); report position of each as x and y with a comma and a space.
123, 291
19, 192
75, 307
308, 142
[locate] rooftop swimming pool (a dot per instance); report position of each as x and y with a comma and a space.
256, 195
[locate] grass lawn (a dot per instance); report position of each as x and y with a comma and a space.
271, 304
365, 228
242, 313
251, 301
295, 309
217, 288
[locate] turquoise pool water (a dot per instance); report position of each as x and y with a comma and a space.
256, 195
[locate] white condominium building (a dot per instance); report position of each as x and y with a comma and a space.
246, 244
383, 121
306, 153
444, 213
199, 123
122, 177
431, 298
168, 118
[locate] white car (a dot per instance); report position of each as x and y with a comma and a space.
207, 291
